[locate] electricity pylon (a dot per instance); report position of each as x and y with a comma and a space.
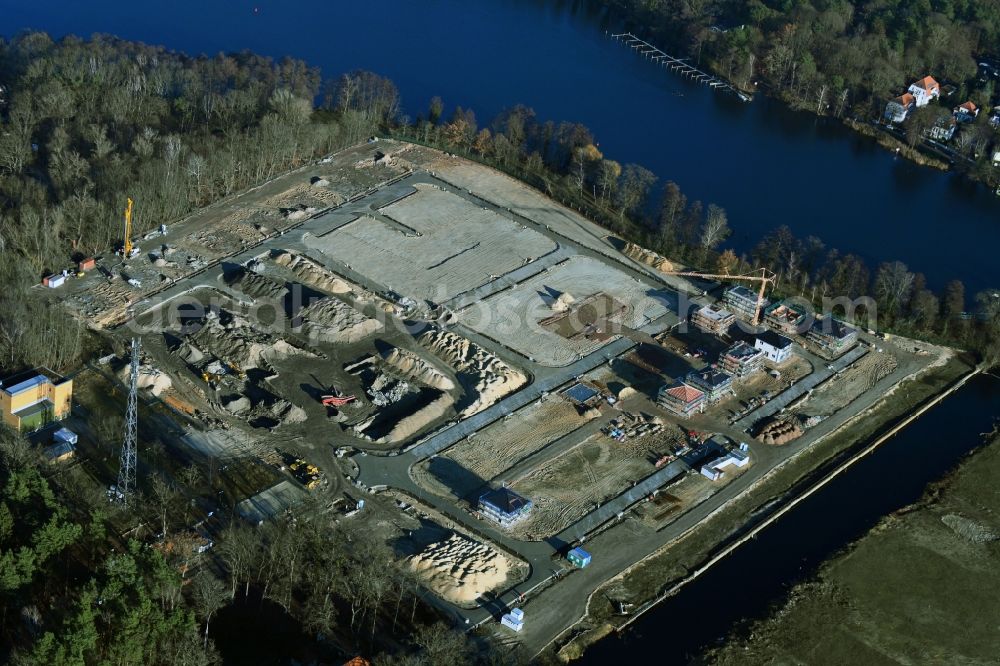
126, 469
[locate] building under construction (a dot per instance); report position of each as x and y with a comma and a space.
713, 319
34, 399
785, 317
832, 336
714, 384
742, 301
681, 399
504, 506
741, 360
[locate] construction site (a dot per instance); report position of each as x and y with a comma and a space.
400, 336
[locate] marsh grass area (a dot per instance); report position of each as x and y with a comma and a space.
918, 588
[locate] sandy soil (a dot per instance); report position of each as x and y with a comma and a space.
461, 570
512, 317
835, 394
486, 377
496, 448
567, 488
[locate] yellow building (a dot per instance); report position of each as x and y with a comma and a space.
31, 401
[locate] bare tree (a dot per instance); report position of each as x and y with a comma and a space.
716, 227
209, 595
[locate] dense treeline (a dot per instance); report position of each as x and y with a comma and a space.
839, 57
74, 594
563, 160
87, 123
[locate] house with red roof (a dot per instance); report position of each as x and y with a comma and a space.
925, 90
681, 399
897, 109
966, 113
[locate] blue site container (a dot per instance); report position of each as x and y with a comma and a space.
578, 557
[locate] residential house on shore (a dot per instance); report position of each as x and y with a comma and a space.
899, 108
924, 91
966, 112
943, 129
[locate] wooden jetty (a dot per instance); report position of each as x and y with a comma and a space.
679, 65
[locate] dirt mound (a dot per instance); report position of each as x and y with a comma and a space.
460, 570
259, 287
779, 432
149, 378
237, 405
489, 376
416, 368
239, 343
286, 412
312, 274
298, 212
332, 320
410, 425
648, 257
190, 354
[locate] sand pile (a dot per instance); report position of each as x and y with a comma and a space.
491, 378
416, 368
332, 320
310, 273
460, 570
259, 287
410, 425
149, 378
779, 432
648, 257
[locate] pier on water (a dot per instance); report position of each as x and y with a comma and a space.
678, 65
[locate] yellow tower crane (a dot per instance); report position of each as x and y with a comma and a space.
761, 275
127, 243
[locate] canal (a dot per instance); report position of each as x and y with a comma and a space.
765, 164
759, 574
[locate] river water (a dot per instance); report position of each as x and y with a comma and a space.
765, 164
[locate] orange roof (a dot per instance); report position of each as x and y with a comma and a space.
927, 83
358, 661
685, 393
905, 99
968, 106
